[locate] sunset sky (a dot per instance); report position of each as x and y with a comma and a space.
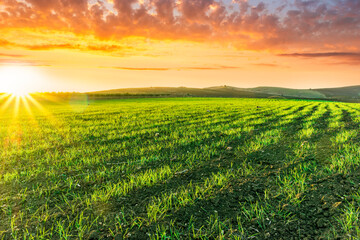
87, 45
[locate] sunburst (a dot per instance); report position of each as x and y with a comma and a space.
19, 104
19, 80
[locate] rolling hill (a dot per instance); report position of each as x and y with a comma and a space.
223, 91
351, 93
344, 92
287, 92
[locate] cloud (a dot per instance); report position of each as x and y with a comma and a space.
325, 54
208, 68
352, 58
7, 61
76, 44
172, 68
267, 65
295, 25
12, 55
5, 43
141, 69
51, 46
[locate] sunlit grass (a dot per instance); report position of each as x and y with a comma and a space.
121, 168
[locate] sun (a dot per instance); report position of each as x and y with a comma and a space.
19, 80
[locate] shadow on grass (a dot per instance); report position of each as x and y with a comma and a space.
312, 218
203, 170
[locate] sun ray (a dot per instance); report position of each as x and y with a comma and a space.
7, 103
28, 103
17, 106
49, 97
25, 103
36, 103
4, 96
53, 120
14, 130
33, 121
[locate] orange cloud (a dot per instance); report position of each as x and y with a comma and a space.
296, 25
178, 68
352, 58
11, 55
267, 65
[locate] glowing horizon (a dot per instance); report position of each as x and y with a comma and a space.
92, 45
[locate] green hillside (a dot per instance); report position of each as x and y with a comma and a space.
223, 91
287, 92
346, 93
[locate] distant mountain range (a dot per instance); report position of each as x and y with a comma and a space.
351, 93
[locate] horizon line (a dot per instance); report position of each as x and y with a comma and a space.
230, 86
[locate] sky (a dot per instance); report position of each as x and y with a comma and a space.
89, 45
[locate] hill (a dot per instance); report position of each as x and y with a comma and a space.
351, 93
288, 92
223, 91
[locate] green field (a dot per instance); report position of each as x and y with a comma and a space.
184, 168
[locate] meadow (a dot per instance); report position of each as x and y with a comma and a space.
180, 168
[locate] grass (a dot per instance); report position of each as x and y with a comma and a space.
349, 220
191, 168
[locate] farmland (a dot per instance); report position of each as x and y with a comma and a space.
182, 168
